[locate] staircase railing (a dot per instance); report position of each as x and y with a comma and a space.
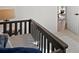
46, 41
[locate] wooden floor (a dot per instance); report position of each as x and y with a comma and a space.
22, 41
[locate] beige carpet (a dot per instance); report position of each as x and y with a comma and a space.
71, 39
68, 37
22, 41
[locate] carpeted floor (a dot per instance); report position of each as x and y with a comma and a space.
71, 39
22, 41
27, 41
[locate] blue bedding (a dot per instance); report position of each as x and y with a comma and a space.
19, 50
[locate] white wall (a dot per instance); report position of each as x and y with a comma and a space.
72, 19
45, 15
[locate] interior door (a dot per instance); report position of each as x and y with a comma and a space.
73, 18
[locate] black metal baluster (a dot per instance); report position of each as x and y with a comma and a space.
10, 29
31, 29
48, 46
33, 32
29, 26
44, 44
25, 27
20, 27
16, 32
4, 27
37, 33
39, 39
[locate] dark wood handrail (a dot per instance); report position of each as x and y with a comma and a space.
14, 21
